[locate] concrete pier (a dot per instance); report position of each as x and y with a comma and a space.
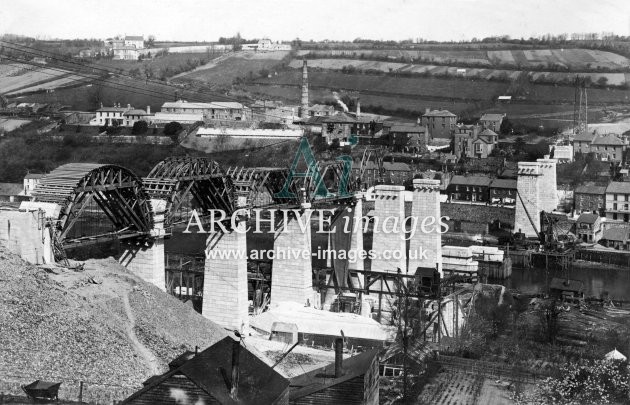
389, 211
426, 209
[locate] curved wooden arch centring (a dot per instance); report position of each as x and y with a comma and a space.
176, 178
117, 191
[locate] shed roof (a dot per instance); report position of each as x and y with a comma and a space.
471, 180
10, 188
618, 187
621, 234
324, 377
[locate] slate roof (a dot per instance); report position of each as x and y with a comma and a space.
470, 180
607, 140
258, 382
587, 218
617, 234
584, 137
504, 183
591, 189
492, 117
341, 118
409, 128
34, 176
439, 113
134, 38
136, 111
488, 132
324, 377
618, 187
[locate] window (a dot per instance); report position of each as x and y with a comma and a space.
614, 206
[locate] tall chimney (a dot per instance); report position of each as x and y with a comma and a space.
236, 351
148, 109
338, 357
358, 108
304, 104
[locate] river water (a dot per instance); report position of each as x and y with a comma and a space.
597, 278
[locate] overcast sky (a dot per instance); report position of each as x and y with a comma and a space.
199, 20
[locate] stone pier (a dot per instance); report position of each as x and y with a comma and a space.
25, 233
225, 279
389, 211
426, 209
537, 191
291, 275
146, 258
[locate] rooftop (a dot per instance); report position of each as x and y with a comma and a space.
134, 38
488, 132
591, 189
259, 383
504, 183
34, 176
492, 117
408, 128
617, 234
136, 111
618, 187
588, 218
214, 104
584, 137
324, 377
607, 140
439, 113
471, 180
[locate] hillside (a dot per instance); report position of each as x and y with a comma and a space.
103, 326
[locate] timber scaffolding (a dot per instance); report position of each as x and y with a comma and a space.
546, 259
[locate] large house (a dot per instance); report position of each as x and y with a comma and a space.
588, 228
440, 123
470, 141
128, 48
344, 127
492, 121
605, 147
618, 201
410, 138
120, 116
223, 110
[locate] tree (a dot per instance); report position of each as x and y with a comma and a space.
172, 128
139, 128
151, 41
602, 81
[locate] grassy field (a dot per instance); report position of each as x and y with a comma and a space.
441, 88
576, 59
240, 65
614, 79
177, 62
16, 76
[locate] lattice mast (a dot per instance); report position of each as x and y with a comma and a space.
580, 106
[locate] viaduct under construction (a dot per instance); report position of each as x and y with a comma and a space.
141, 211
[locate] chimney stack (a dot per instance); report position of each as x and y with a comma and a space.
148, 109
236, 351
304, 104
338, 357
358, 107
129, 106
427, 110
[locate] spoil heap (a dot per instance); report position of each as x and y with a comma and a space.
103, 326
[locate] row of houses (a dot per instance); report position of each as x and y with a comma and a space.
482, 189
611, 201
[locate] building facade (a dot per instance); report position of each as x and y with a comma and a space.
469, 188
503, 191
618, 201
440, 123
228, 111
588, 228
589, 198
492, 121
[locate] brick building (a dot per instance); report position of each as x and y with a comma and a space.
589, 198
407, 138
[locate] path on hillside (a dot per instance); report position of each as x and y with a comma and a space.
212, 63
148, 356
